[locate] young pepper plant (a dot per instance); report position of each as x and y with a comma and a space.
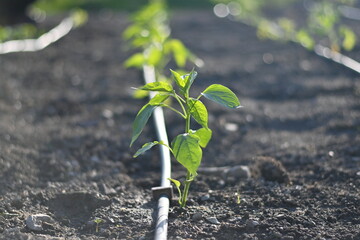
187, 146
149, 32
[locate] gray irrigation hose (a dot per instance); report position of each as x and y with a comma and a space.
163, 201
33, 45
337, 57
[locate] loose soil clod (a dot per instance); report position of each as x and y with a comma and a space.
272, 170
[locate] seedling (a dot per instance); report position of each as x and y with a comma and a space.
150, 33
185, 147
98, 221
238, 197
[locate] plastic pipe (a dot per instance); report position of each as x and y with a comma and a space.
337, 57
163, 201
33, 45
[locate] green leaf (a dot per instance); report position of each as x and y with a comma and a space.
175, 182
139, 94
179, 51
145, 147
154, 57
178, 79
177, 185
187, 151
199, 112
204, 134
131, 31
221, 95
79, 17
140, 121
136, 60
158, 99
144, 114
349, 40
158, 86
189, 79
305, 39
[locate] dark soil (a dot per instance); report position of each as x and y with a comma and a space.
65, 124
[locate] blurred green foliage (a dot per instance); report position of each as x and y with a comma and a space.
53, 6
149, 33
19, 32
321, 21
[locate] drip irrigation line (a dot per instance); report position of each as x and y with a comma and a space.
318, 49
33, 45
337, 57
164, 197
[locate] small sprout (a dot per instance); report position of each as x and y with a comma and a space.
238, 198
98, 221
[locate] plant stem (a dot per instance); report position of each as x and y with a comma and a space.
187, 123
186, 190
179, 99
188, 115
173, 109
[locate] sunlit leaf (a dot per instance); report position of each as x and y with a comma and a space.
158, 86
349, 40
187, 152
140, 121
179, 51
199, 112
136, 60
139, 94
189, 79
131, 31
221, 95
175, 182
177, 185
158, 99
79, 17
204, 134
154, 56
304, 38
178, 79
145, 147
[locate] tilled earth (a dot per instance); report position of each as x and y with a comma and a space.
65, 124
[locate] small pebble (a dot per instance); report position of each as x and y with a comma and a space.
288, 238
106, 190
312, 223
213, 220
197, 216
107, 113
95, 159
276, 234
231, 127
238, 172
204, 198
236, 219
35, 222
251, 223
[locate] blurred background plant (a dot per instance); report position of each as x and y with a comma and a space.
307, 22
19, 19
149, 33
